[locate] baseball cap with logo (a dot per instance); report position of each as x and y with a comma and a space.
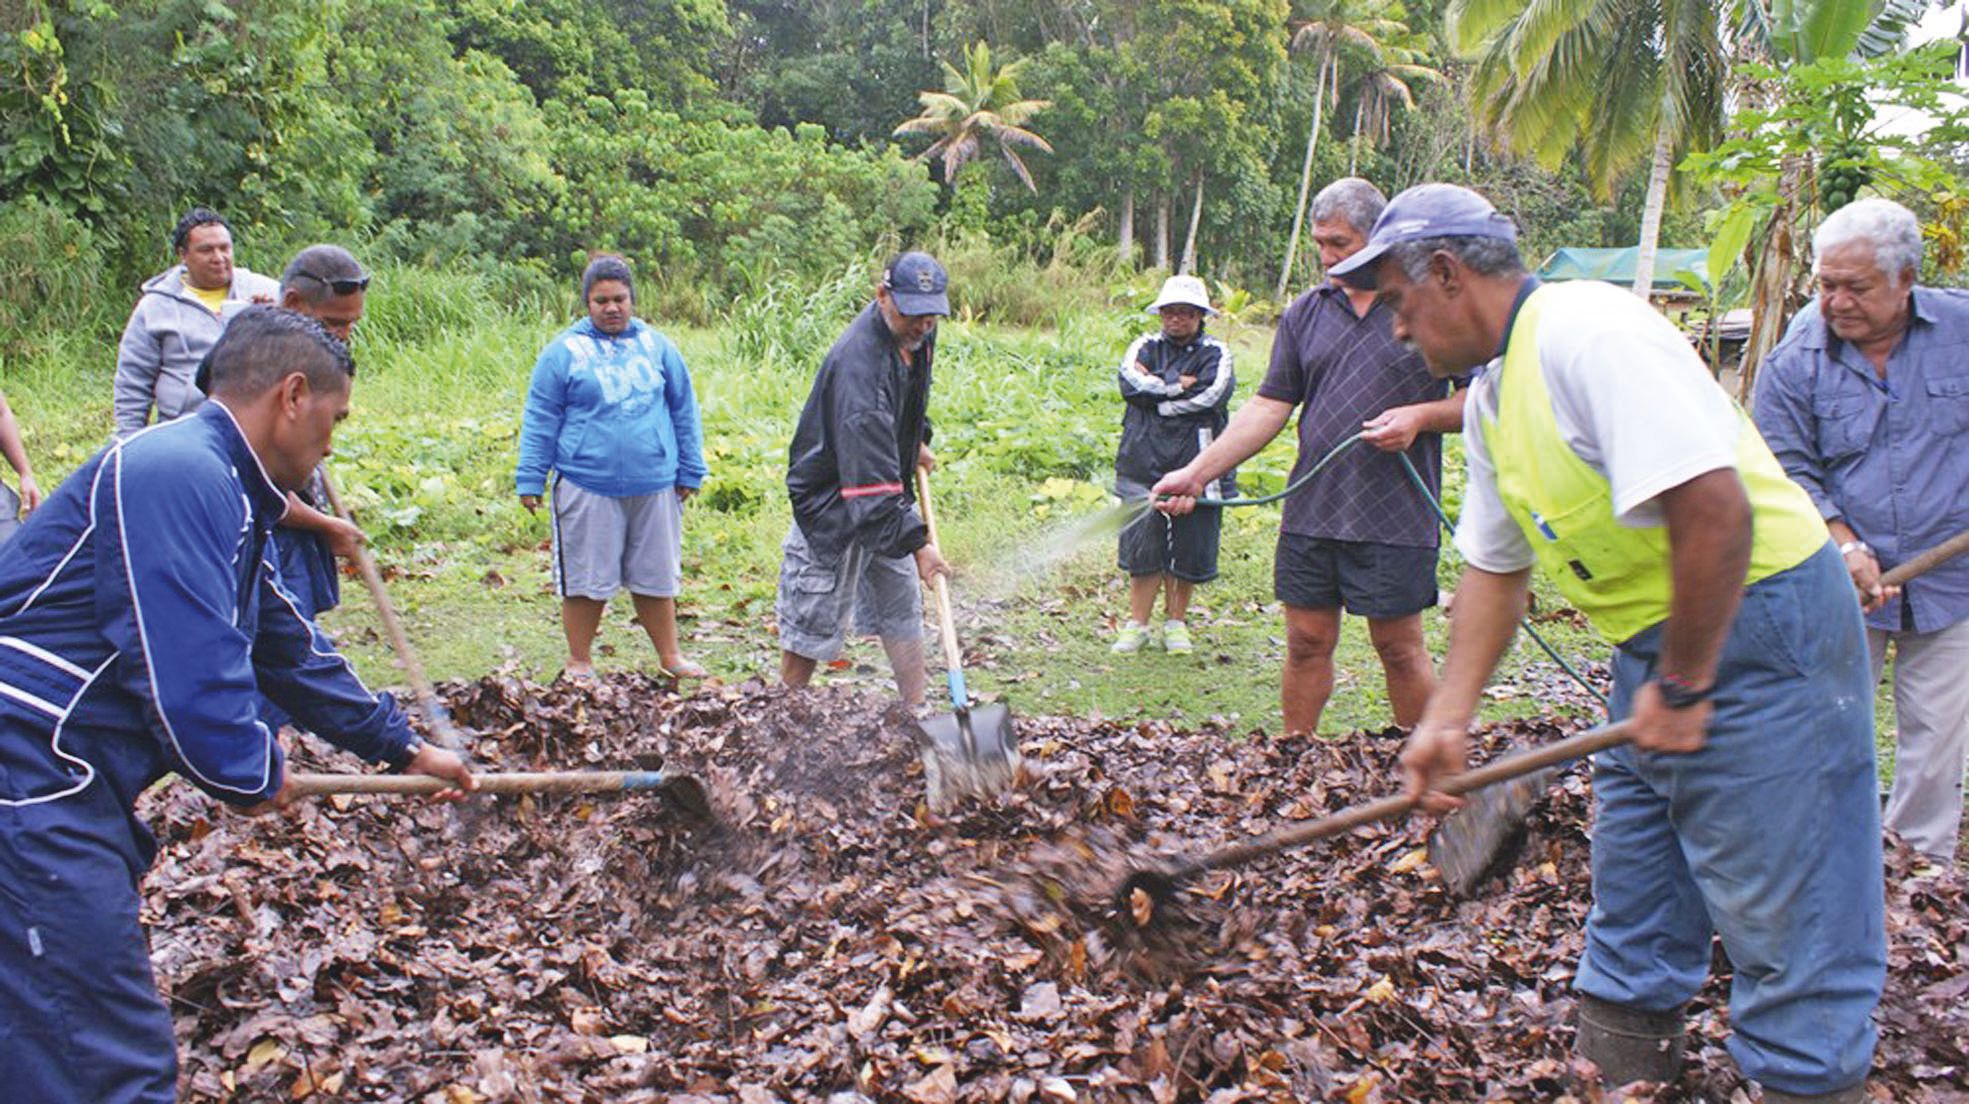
1424, 211
917, 284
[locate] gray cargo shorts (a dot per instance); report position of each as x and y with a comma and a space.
816, 597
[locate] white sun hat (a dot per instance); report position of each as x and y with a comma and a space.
1185, 291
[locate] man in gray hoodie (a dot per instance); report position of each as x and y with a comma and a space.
178, 318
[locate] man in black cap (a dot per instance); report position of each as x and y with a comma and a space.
864, 431
1601, 451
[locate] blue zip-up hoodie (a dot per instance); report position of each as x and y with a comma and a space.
140, 620
614, 415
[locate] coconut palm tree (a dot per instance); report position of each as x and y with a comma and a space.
1625, 82
1329, 29
978, 104
1386, 79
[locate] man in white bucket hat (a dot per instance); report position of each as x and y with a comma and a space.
1177, 384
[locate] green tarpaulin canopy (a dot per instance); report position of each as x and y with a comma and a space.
1616, 266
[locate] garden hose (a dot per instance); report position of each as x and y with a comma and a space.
1442, 516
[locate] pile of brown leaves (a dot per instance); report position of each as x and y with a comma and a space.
828, 942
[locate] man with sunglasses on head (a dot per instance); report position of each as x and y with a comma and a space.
326, 283
179, 316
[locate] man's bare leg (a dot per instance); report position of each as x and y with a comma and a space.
1307, 682
796, 671
1405, 661
906, 660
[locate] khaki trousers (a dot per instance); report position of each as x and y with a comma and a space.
1931, 701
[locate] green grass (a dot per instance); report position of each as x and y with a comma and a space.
1025, 419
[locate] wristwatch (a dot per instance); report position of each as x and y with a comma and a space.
1853, 546
1676, 693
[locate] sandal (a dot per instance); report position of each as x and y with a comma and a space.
684, 669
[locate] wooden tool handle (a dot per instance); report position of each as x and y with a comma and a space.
946, 620
1927, 561
1387, 808
552, 782
442, 730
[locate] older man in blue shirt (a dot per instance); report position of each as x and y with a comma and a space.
1866, 403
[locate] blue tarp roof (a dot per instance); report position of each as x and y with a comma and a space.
1616, 266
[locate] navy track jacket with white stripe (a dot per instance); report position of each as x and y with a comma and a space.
139, 615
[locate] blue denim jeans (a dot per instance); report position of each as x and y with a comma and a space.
1768, 836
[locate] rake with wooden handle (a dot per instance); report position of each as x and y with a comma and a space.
1160, 882
679, 789
443, 732
685, 792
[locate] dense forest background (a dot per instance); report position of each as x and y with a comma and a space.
732, 147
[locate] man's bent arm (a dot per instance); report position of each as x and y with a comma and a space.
1444, 415
1488, 605
1709, 557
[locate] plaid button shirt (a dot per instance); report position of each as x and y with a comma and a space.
1343, 369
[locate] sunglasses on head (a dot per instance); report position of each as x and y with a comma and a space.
347, 285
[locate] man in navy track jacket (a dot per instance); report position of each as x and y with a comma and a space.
140, 618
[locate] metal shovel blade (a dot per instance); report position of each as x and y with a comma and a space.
971, 752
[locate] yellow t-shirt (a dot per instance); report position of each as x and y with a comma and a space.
211, 297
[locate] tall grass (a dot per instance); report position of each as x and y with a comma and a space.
52, 280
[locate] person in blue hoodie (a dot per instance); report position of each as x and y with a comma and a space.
611, 413
141, 618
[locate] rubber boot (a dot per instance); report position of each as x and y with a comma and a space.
1629, 1044
1853, 1095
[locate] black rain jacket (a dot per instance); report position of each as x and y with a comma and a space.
851, 468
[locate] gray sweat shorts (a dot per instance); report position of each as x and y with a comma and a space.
816, 597
602, 543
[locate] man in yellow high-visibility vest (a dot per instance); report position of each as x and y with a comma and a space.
1600, 450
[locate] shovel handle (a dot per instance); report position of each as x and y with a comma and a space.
1511, 766
442, 730
1926, 561
550, 782
946, 621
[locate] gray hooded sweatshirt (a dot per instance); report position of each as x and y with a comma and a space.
168, 334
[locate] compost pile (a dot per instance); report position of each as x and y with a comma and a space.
831, 941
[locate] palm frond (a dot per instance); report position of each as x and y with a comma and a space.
1019, 167
1543, 23
1469, 24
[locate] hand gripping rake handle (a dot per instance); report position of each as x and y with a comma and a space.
1387, 808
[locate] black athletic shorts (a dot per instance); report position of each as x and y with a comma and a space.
1186, 547
1382, 581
